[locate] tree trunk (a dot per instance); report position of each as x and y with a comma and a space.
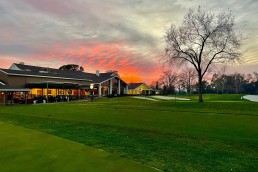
189, 81
200, 88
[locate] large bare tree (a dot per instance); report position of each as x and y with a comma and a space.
203, 38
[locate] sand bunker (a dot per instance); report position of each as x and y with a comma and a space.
169, 98
253, 98
144, 98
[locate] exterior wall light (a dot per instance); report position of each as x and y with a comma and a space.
91, 86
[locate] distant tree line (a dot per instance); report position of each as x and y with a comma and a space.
236, 83
186, 82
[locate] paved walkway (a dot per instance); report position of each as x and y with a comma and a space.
253, 98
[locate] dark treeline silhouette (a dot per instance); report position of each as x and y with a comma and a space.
236, 83
72, 67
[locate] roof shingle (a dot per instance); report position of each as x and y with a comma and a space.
38, 71
135, 85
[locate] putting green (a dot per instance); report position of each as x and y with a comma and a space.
23, 149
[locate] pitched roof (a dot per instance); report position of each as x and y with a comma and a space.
101, 78
37, 71
31, 68
135, 85
4, 86
2, 83
45, 74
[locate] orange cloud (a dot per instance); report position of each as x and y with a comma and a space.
132, 66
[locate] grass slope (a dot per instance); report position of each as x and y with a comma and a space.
217, 135
24, 149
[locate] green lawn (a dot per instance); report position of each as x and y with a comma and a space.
24, 149
220, 134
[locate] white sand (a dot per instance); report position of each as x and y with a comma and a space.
169, 98
253, 98
144, 98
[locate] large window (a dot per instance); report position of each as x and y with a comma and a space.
39, 93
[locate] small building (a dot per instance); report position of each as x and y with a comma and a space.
26, 82
139, 89
155, 91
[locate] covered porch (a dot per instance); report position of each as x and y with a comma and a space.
49, 91
10, 96
112, 87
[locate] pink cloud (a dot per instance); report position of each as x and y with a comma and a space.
132, 66
49, 6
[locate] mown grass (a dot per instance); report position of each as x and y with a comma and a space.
23, 149
217, 135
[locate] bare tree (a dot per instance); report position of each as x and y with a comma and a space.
188, 76
204, 38
256, 75
238, 82
168, 80
219, 78
249, 78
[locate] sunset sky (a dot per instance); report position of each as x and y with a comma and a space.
122, 35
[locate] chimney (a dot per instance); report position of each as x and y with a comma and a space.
97, 72
22, 63
47, 69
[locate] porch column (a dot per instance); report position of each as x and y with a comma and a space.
99, 90
47, 92
118, 87
26, 97
110, 87
11, 97
78, 93
63, 92
4, 98
126, 89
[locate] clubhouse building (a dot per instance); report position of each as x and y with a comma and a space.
34, 84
